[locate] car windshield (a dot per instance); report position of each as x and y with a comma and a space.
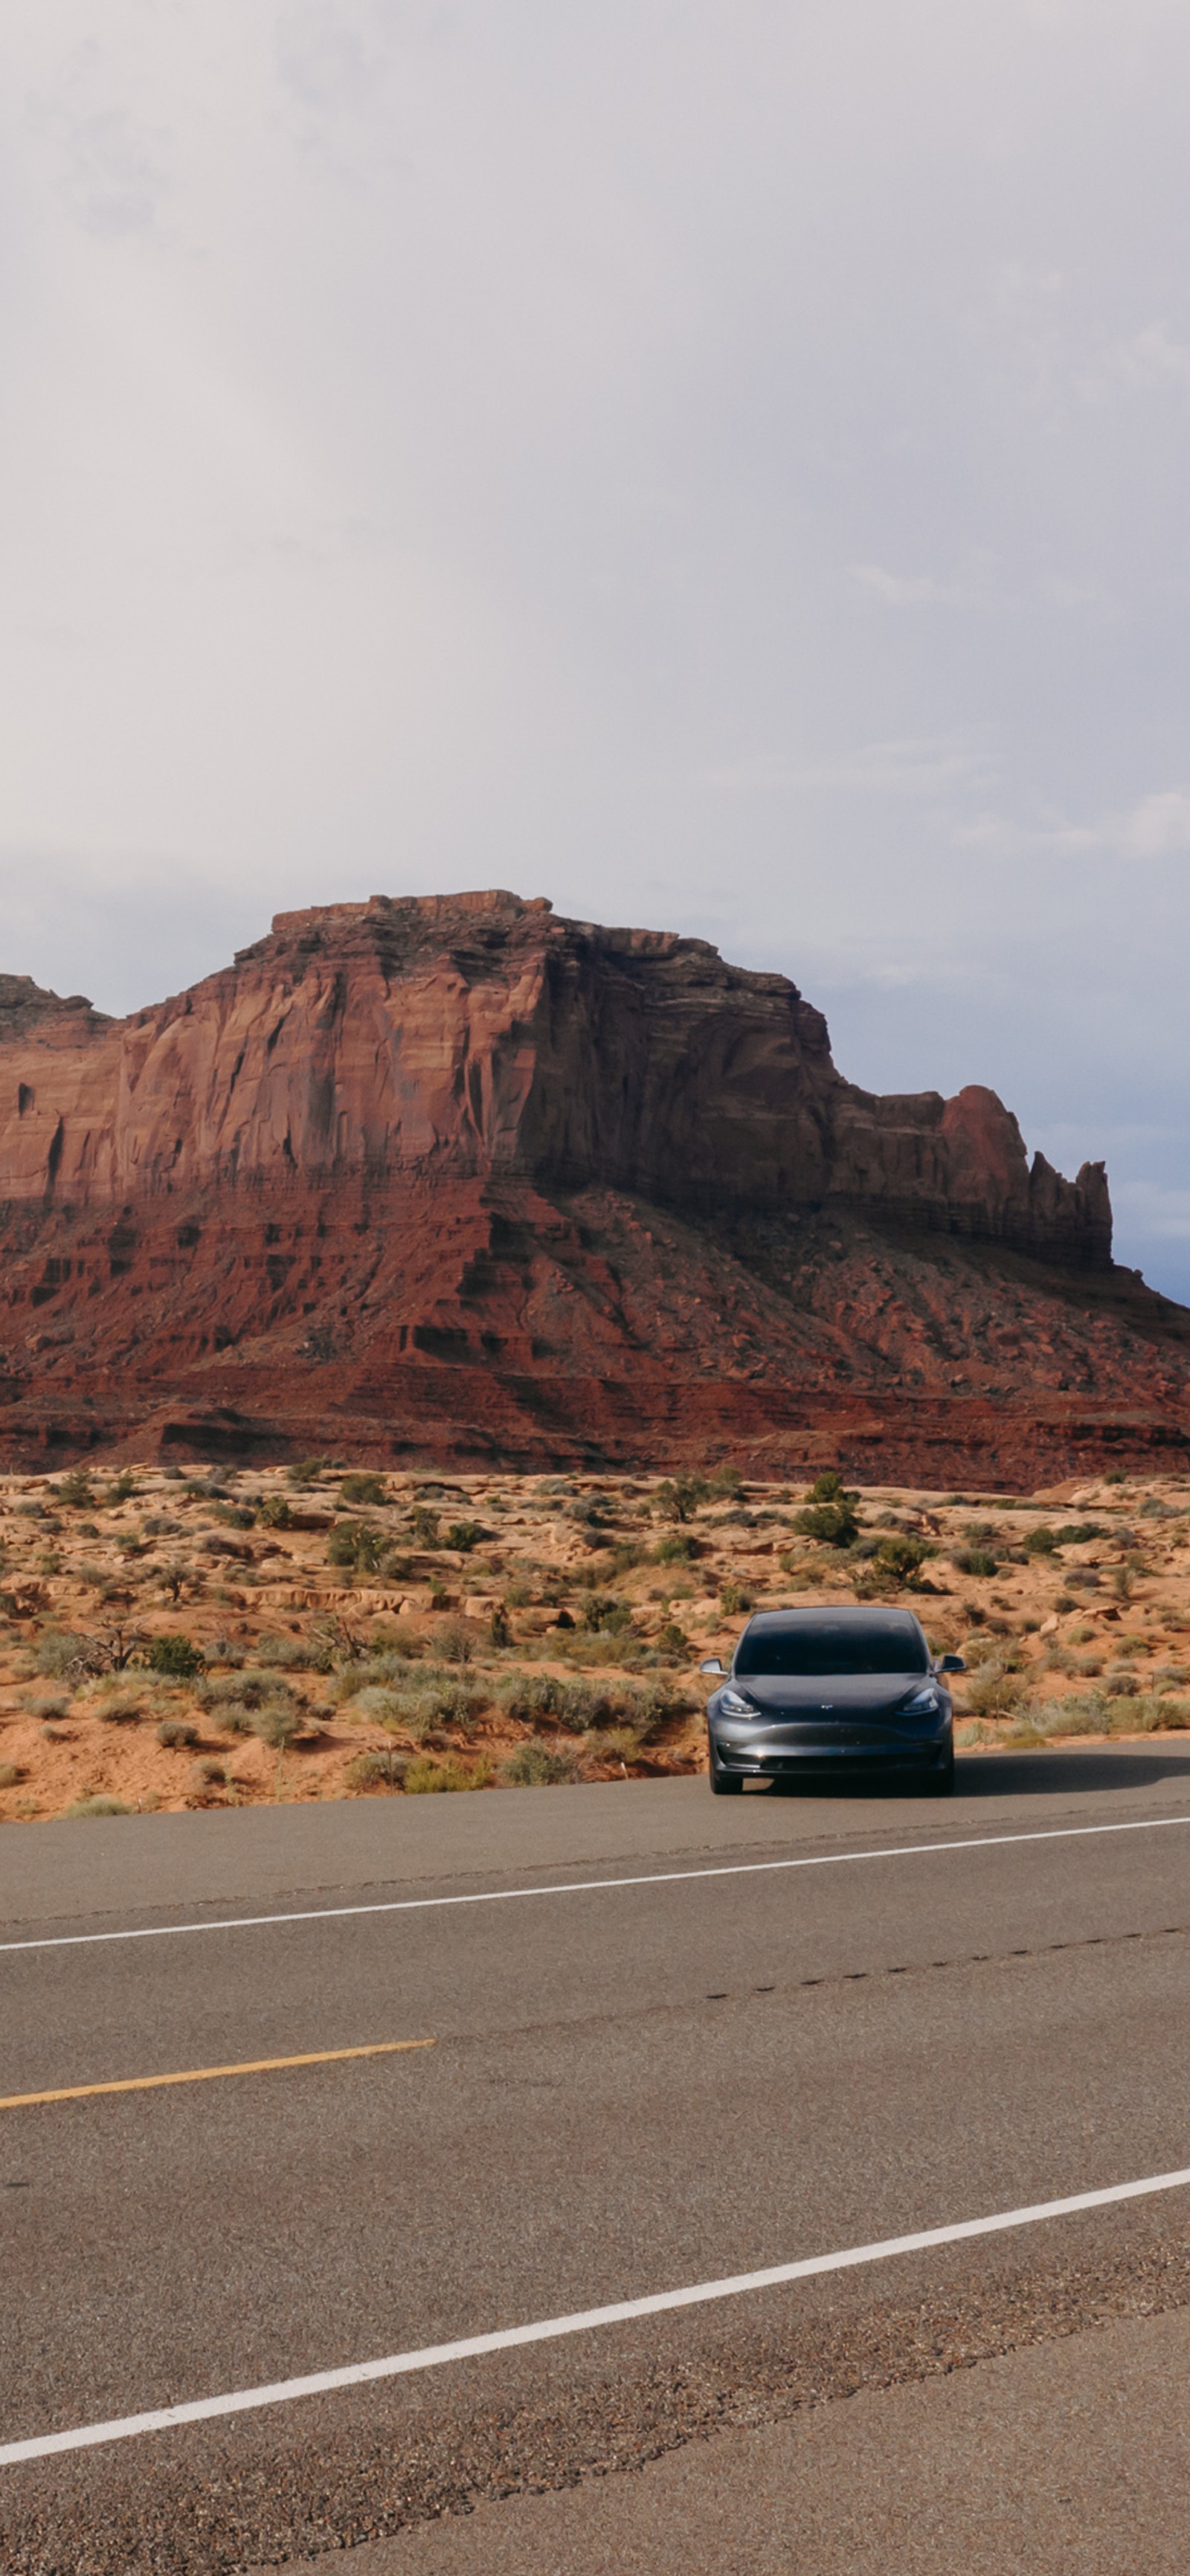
833, 1646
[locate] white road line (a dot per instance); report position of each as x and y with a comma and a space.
592, 1886
280, 2392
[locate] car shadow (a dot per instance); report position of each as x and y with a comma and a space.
1052, 1770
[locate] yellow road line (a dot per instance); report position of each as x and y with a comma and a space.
207, 2074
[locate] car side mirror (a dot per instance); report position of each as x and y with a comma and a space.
950, 1664
712, 1665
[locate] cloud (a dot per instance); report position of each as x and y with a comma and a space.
1156, 827
1149, 1209
1152, 360
114, 175
925, 766
912, 590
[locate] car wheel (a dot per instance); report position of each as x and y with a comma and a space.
943, 1781
725, 1784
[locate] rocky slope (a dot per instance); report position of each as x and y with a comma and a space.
454, 1177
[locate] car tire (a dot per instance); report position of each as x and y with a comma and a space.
725, 1784
942, 1783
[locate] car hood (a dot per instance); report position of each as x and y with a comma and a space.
833, 1694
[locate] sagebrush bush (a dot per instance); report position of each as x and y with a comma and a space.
537, 1765
121, 1707
287, 1653
232, 1718
278, 1723
425, 1776
359, 1490
249, 1689
383, 1770
390, 1666
995, 1692
98, 1807
175, 1733
56, 1651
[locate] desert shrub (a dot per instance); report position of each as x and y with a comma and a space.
123, 1488
425, 1526
47, 1704
537, 1765
277, 1723
900, 1560
454, 1642
425, 1776
499, 1632
1077, 1534
10, 1774
384, 1770
98, 1807
463, 1536
175, 1733
208, 1773
76, 1489
1121, 1682
679, 1497
274, 1511
55, 1652
248, 1689
310, 1472
974, 1560
428, 1703
830, 1517
613, 1744
120, 1707
389, 1667
995, 1692
282, 1653
735, 1599
1041, 1541
178, 1656
233, 1718
678, 1550
530, 1697
357, 1545
606, 1616
359, 1490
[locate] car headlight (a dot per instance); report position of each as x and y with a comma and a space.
925, 1702
732, 1703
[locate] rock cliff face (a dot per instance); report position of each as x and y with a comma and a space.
479, 1037
427, 1136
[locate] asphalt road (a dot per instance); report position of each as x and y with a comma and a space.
633, 2088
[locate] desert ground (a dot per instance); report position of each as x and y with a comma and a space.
180, 1637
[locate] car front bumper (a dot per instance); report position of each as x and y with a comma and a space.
783, 1752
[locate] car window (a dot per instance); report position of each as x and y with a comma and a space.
833, 1646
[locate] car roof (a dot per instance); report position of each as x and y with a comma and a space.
829, 1617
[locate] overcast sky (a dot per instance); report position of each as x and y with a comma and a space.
719, 463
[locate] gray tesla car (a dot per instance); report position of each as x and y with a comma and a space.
815, 1693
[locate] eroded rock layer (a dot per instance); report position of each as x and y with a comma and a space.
453, 1176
